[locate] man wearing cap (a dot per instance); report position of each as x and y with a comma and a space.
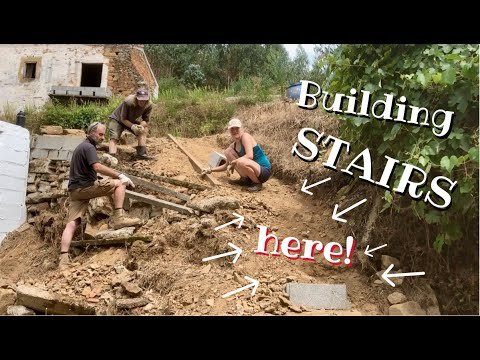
133, 114
83, 185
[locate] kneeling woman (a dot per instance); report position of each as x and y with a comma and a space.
245, 156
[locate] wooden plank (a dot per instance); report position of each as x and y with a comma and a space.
148, 175
138, 181
196, 165
157, 202
114, 241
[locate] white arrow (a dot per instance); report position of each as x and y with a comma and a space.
337, 217
367, 252
237, 252
239, 217
253, 283
305, 188
386, 275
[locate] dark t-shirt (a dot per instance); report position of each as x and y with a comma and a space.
81, 169
129, 110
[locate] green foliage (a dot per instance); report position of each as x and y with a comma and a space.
193, 76
190, 113
77, 116
431, 76
224, 64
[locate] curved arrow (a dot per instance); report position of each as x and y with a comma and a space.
237, 252
386, 275
253, 283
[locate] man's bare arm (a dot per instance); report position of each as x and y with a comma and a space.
105, 170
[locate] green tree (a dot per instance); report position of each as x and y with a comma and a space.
430, 76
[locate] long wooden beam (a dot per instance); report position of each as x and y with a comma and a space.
139, 181
195, 163
114, 241
149, 175
157, 202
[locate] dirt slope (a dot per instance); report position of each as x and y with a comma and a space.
169, 270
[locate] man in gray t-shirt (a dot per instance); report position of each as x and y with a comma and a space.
133, 115
84, 185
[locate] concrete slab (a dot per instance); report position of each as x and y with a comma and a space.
319, 296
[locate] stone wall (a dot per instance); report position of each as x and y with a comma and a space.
128, 70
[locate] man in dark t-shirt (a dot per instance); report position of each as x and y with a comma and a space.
133, 115
84, 185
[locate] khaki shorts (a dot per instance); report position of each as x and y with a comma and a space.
115, 129
79, 198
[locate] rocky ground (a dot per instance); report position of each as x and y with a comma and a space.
167, 276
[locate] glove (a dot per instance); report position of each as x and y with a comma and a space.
126, 180
206, 171
137, 129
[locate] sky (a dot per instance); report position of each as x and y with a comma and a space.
292, 48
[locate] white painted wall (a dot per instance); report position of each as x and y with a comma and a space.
61, 65
14, 161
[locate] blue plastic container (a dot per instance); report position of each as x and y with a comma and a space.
293, 91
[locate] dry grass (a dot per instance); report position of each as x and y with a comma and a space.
275, 127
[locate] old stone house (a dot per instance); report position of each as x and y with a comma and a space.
31, 74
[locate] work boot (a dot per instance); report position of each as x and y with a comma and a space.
64, 261
142, 153
255, 187
243, 181
120, 220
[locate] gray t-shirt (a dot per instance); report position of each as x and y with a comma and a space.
82, 173
129, 110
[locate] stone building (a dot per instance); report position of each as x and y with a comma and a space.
31, 74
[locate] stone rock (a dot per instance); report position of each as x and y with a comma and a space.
210, 302
141, 211
31, 188
396, 298
100, 205
51, 130
388, 260
40, 166
211, 204
31, 178
19, 310
74, 132
127, 138
396, 280
47, 303
108, 159
180, 177
122, 233
44, 186
208, 223
122, 278
407, 308
131, 303
131, 289
90, 231
284, 301
295, 308
7, 298
173, 216
38, 208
